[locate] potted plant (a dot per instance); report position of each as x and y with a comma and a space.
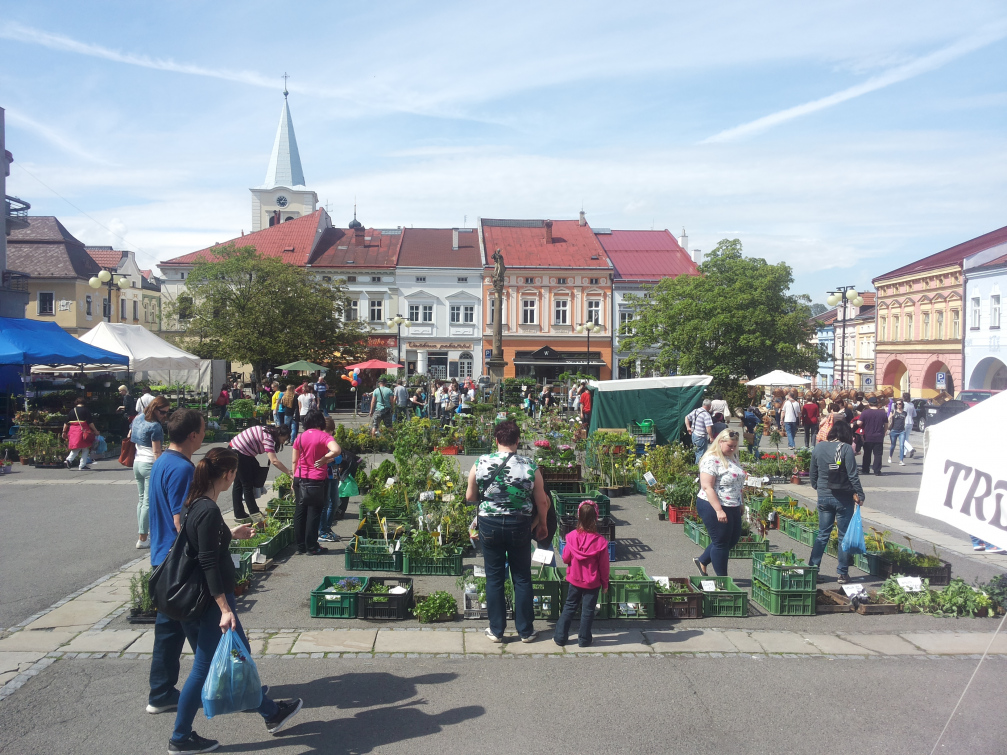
438, 606
142, 610
283, 485
242, 585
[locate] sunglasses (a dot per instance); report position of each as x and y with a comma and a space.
733, 435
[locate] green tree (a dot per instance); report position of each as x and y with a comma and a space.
737, 319
264, 312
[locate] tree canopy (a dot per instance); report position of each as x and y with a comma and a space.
736, 319
265, 312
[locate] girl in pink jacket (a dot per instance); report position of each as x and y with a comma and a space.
586, 554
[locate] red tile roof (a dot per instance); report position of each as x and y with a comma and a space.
522, 243
299, 235
106, 256
431, 247
951, 256
342, 248
646, 255
146, 273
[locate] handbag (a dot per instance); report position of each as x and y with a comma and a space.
825, 427
128, 453
177, 585
87, 435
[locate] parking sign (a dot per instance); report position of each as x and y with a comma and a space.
942, 381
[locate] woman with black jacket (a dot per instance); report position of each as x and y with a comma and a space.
210, 537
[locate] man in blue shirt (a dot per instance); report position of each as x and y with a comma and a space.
169, 484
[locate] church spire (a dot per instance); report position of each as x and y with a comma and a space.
285, 161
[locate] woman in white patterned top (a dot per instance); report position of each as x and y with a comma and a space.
721, 480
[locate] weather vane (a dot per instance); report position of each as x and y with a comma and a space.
285, 77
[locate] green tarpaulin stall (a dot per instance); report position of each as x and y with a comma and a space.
665, 400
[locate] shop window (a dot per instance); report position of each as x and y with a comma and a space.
46, 302
465, 365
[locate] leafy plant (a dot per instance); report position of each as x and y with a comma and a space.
957, 599
241, 406
785, 558
673, 587
996, 589
282, 481
351, 584
139, 591
434, 606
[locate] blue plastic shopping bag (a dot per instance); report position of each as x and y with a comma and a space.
854, 541
233, 682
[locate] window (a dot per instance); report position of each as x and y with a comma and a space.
594, 281
594, 311
528, 307
136, 310
561, 281
87, 305
421, 279
626, 317
926, 326
375, 279
529, 281
184, 307
895, 328
956, 325
463, 279
939, 335
909, 327
377, 310
561, 311
976, 313
456, 313
493, 309
884, 328
470, 314
465, 365
995, 311
428, 313
351, 279
183, 276
414, 312
46, 303
352, 311
122, 309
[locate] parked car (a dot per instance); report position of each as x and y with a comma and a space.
936, 414
920, 421
973, 397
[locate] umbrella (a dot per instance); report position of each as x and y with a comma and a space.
373, 364
778, 377
302, 366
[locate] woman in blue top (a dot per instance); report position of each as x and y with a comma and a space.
148, 435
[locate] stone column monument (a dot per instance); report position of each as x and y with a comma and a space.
496, 363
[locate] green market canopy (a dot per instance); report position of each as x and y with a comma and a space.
665, 400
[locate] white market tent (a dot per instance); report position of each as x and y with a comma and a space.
778, 378
963, 472
146, 351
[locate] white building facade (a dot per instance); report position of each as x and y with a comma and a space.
985, 348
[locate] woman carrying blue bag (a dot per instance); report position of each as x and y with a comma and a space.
210, 537
834, 475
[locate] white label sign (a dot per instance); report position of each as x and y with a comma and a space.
427, 495
236, 560
852, 590
797, 571
478, 571
651, 480
910, 584
664, 581
709, 585
389, 482
448, 497
541, 556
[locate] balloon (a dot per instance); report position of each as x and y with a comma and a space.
347, 378
354, 383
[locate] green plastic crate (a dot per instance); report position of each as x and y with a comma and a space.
802, 533
733, 602
784, 602
602, 608
566, 486
694, 530
869, 562
270, 547
371, 555
335, 605
638, 589
244, 566
478, 450
567, 503
449, 566
545, 588
796, 578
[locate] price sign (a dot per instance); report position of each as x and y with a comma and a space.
651, 480
541, 556
427, 495
709, 585
389, 482
798, 571
852, 590
236, 560
478, 571
448, 497
910, 584
436, 475
664, 581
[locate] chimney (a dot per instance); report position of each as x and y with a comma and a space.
683, 241
548, 231
583, 219
697, 256
454, 239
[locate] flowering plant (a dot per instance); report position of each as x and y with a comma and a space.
542, 444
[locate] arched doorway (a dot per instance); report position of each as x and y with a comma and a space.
897, 376
929, 386
989, 374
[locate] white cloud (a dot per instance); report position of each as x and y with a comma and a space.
51, 135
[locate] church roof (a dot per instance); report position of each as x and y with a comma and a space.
285, 161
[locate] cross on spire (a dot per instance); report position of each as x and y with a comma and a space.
285, 77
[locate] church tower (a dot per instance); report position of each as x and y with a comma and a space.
283, 195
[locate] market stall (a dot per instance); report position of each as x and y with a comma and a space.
664, 400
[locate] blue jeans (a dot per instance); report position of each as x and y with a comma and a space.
585, 598
169, 639
506, 540
900, 438
723, 535
791, 434
207, 628
330, 507
288, 420
834, 507
700, 442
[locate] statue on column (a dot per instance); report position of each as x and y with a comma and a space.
499, 269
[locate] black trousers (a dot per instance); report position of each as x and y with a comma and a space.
309, 498
244, 486
876, 448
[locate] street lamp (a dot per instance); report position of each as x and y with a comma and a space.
398, 321
587, 327
105, 276
844, 294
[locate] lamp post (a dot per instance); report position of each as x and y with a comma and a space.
844, 294
587, 327
398, 321
106, 277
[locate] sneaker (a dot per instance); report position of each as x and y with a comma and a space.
155, 709
699, 565
889, 459
492, 637
192, 745
843, 579
558, 643
67, 464
530, 638
242, 519
317, 551
902, 463
286, 710
141, 544
85, 468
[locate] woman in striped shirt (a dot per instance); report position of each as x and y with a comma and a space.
249, 444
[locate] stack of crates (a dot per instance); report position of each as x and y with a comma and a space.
643, 433
784, 590
545, 589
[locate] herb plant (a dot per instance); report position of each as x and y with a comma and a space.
434, 606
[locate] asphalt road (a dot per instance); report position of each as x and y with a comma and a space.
715, 706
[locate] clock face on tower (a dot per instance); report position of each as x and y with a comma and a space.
281, 201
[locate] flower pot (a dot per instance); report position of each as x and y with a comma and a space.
795, 480
448, 450
240, 590
137, 617
25, 461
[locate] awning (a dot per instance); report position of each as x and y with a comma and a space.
145, 350
28, 342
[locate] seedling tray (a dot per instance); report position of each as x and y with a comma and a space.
783, 602
335, 605
382, 605
938, 575
551, 474
371, 555
729, 600
797, 531
448, 566
832, 601
678, 605
269, 548
798, 577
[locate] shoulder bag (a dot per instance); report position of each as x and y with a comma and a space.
177, 585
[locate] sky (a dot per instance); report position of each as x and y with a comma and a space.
844, 138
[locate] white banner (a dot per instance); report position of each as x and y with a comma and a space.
964, 477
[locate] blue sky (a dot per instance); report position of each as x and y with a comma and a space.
844, 138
